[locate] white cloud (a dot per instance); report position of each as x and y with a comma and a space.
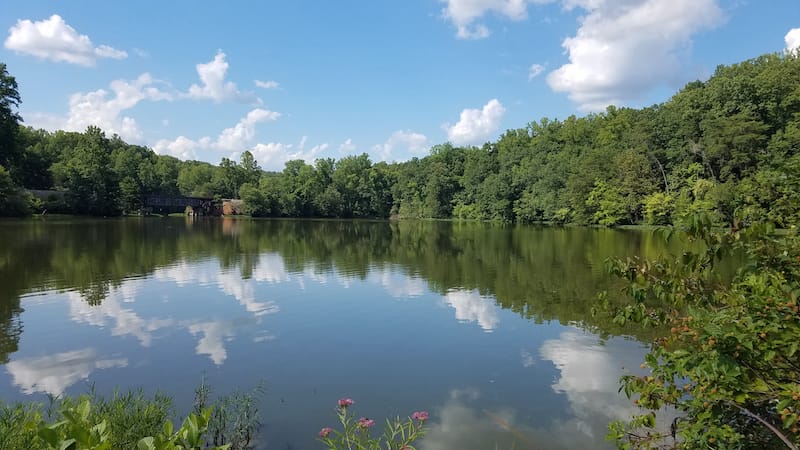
624, 48
408, 140
273, 155
269, 84
181, 147
244, 292
126, 322
468, 420
526, 358
347, 147
465, 13
271, 269
214, 86
233, 139
104, 51
104, 109
264, 338
53, 374
535, 71
399, 285
239, 136
470, 306
212, 342
55, 40
589, 378
476, 125
792, 39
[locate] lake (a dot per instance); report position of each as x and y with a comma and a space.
487, 327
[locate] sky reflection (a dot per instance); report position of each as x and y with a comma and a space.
53, 374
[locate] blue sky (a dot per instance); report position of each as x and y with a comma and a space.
308, 79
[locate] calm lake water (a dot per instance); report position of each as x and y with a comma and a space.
487, 327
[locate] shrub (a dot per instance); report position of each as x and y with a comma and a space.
730, 363
658, 208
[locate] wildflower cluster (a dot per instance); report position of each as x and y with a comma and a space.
398, 434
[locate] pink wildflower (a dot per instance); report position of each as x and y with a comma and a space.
365, 423
323, 433
345, 402
422, 416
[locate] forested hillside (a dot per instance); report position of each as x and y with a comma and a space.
726, 145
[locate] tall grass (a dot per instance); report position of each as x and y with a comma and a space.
121, 420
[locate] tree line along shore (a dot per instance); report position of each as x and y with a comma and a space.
725, 146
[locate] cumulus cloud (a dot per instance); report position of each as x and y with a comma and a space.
124, 320
243, 291
233, 139
273, 155
464, 14
181, 147
589, 374
269, 84
469, 420
240, 135
55, 40
103, 108
476, 125
271, 269
624, 48
212, 340
792, 39
53, 374
397, 284
408, 140
470, 306
214, 86
347, 147
526, 358
535, 71
232, 284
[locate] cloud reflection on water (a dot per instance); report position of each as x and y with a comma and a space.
212, 339
589, 377
53, 374
588, 374
466, 422
471, 306
124, 320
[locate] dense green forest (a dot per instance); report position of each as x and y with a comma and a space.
729, 144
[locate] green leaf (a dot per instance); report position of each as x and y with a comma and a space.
49, 435
68, 444
759, 385
147, 443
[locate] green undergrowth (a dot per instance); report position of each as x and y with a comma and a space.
131, 420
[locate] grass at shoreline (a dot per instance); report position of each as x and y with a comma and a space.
123, 419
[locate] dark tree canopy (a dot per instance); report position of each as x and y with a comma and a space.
9, 119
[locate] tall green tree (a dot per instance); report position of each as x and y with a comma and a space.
87, 174
10, 153
13, 201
